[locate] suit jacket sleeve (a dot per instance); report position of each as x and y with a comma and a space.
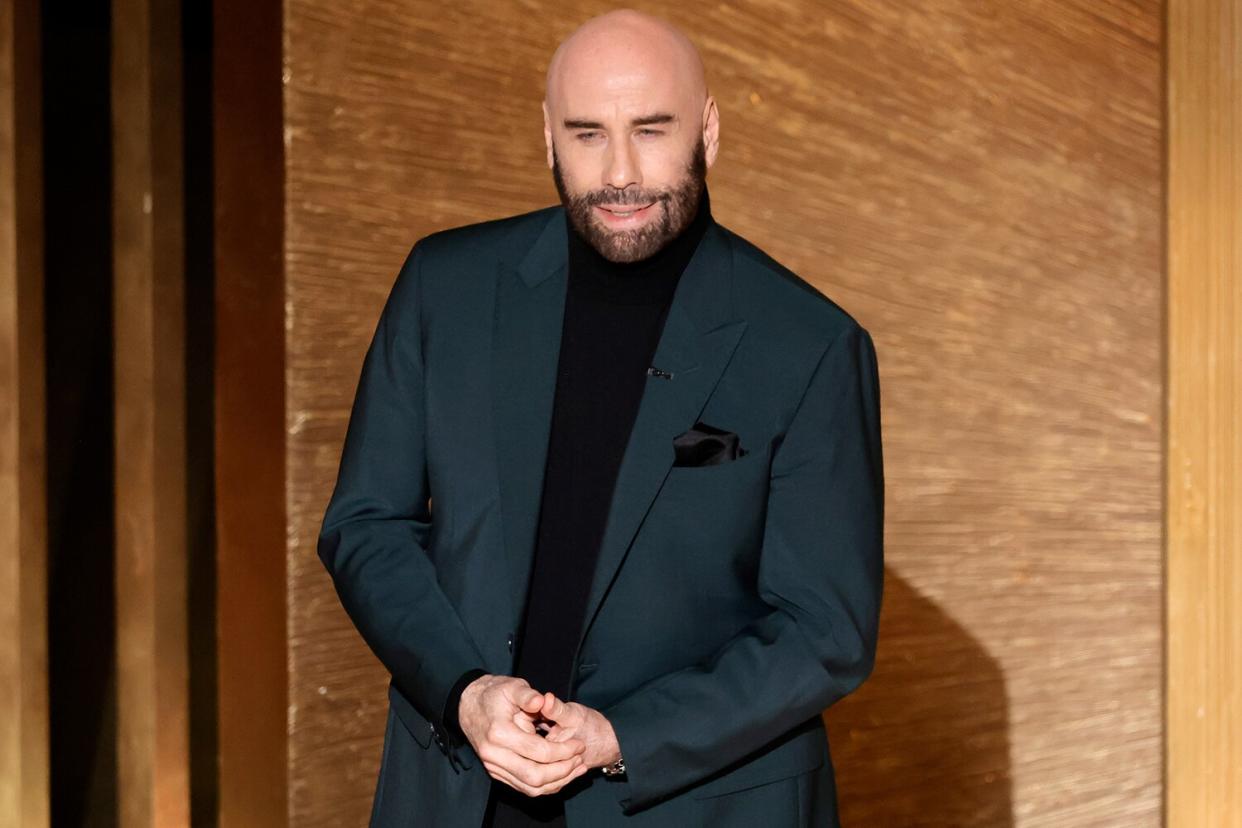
375, 533
820, 571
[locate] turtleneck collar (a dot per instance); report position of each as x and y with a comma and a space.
648, 281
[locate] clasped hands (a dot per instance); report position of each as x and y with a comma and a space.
533, 742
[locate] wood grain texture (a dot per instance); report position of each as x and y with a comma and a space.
24, 706
1204, 470
150, 450
980, 185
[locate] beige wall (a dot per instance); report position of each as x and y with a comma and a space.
981, 186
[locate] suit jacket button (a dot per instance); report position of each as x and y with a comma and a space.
509, 642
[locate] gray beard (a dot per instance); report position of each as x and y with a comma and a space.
677, 206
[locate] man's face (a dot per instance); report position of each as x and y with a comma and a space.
661, 203
625, 126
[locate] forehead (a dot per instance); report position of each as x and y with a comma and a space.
608, 83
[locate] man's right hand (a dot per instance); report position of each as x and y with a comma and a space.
498, 714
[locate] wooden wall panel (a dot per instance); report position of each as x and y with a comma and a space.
249, 412
1204, 464
149, 375
980, 185
24, 765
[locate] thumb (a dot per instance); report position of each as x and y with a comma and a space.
553, 708
532, 700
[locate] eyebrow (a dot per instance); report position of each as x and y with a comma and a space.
643, 120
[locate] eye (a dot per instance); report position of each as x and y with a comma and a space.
586, 136
650, 132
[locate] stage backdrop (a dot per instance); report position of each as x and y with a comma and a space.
978, 184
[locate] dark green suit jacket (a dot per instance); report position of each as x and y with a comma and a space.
731, 603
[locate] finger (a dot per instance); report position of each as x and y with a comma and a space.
560, 733
537, 748
553, 787
499, 773
519, 693
528, 699
524, 722
553, 708
556, 784
522, 774
533, 774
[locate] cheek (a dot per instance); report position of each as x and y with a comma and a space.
580, 170
663, 165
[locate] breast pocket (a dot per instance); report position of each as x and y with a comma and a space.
711, 512
722, 485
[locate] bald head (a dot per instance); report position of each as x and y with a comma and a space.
620, 46
630, 131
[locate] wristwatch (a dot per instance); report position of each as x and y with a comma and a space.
617, 768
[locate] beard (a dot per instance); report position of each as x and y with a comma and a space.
678, 205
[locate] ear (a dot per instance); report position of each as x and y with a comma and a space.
547, 132
711, 130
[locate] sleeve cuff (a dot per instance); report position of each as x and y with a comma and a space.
454, 700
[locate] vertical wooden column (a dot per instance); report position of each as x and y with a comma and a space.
250, 424
1204, 570
152, 689
23, 507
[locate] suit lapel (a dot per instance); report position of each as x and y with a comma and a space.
698, 339
526, 341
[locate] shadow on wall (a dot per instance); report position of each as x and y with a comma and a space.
925, 740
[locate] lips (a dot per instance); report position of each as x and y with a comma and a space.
625, 208
624, 213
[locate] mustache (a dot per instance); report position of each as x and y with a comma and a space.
621, 199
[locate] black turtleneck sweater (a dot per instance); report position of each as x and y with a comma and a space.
614, 314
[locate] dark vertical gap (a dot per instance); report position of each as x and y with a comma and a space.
200, 422
77, 181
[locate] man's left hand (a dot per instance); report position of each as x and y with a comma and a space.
570, 720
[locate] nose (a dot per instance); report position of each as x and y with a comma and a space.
622, 167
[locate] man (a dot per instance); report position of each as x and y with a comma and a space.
610, 504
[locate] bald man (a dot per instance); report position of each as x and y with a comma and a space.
610, 504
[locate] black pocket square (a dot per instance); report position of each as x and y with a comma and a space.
706, 445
